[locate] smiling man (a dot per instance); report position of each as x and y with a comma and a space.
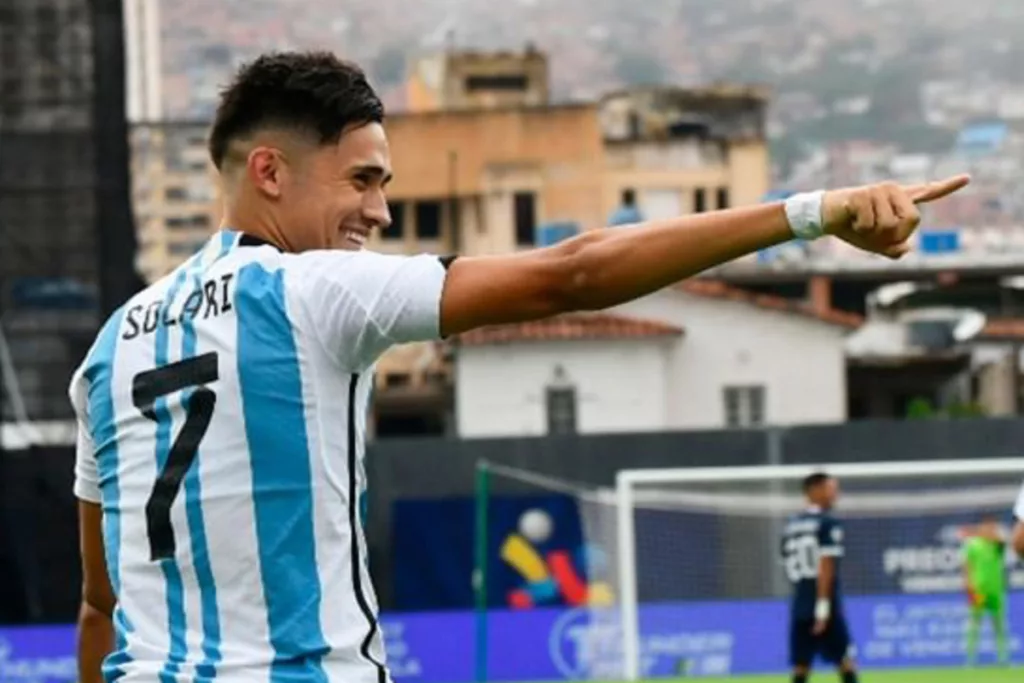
222, 410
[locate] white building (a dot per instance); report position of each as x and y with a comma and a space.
699, 356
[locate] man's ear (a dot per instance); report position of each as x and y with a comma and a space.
264, 166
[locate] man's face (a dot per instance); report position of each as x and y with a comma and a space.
334, 195
825, 494
830, 492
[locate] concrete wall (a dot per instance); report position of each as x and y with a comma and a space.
797, 359
620, 385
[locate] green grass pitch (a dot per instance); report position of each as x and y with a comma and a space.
978, 675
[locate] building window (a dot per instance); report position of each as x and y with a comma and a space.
397, 229
428, 220
511, 82
175, 194
723, 198
525, 215
744, 406
199, 220
561, 409
393, 380
184, 248
700, 200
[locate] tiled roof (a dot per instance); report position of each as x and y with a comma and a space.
719, 290
570, 327
1004, 328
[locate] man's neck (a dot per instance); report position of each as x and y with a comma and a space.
251, 225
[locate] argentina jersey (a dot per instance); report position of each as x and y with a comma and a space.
807, 537
222, 415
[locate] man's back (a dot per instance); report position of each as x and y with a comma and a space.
226, 410
808, 536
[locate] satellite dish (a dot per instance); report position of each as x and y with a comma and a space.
887, 295
971, 323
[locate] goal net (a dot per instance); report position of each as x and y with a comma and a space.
701, 588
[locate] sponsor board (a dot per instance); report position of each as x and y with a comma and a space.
677, 640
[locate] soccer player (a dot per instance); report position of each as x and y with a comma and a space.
984, 552
222, 409
812, 545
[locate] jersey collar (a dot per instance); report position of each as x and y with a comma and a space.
247, 240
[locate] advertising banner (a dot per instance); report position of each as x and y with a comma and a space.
678, 639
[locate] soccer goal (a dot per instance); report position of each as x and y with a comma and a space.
701, 589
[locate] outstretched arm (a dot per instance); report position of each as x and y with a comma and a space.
603, 268
360, 303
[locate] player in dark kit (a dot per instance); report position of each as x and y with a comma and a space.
812, 545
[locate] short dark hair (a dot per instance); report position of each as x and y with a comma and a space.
813, 481
315, 93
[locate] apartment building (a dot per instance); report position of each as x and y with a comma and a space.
452, 81
174, 193
676, 151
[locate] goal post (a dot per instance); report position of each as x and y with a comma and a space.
717, 528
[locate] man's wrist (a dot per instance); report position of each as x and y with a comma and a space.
822, 609
804, 213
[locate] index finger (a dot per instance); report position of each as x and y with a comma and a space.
929, 192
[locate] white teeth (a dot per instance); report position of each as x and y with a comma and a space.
355, 237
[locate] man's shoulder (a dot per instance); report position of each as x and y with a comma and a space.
830, 518
339, 262
361, 275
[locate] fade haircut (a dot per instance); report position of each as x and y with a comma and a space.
315, 94
815, 480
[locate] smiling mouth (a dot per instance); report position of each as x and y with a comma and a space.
355, 238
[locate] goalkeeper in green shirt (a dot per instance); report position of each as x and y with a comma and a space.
984, 550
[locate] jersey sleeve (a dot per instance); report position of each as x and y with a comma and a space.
87, 482
830, 538
361, 303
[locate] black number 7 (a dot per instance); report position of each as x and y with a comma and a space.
146, 388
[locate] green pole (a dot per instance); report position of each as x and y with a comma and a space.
483, 485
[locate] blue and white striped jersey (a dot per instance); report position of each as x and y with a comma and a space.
221, 428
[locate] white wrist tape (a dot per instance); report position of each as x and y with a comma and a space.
803, 211
822, 610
